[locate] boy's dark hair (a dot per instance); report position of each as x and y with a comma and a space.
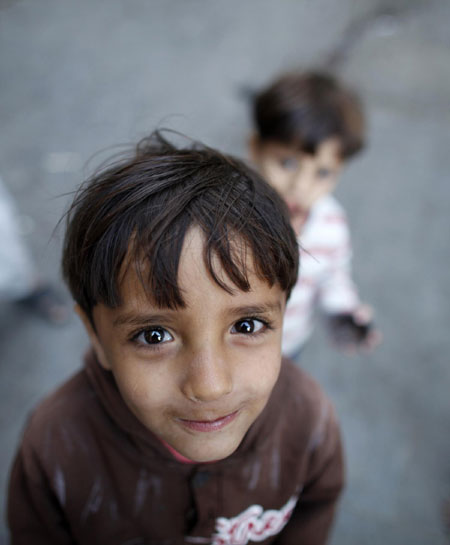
304, 109
139, 209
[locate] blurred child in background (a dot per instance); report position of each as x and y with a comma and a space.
307, 126
19, 282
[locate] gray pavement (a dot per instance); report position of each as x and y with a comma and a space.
78, 77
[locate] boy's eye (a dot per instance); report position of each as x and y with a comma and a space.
154, 335
289, 163
248, 326
323, 172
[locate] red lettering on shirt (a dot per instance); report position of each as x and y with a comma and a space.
253, 524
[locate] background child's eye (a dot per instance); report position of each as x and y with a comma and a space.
248, 326
289, 163
323, 172
154, 335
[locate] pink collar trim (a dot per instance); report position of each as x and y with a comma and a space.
179, 457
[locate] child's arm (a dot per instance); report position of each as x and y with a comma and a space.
34, 513
349, 321
312, 518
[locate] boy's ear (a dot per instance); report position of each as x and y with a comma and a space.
96, 344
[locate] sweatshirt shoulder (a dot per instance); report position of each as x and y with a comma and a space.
61, 414
327, 212
300, 386
69, 398
305, 404
329, 205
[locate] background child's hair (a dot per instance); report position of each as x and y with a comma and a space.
302, 110
138, 210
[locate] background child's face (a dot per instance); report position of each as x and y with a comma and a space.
301, 179
199, 376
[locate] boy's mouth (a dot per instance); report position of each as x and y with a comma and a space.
209, 425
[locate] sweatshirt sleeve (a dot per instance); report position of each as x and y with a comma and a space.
312, 518
337, 291
34, 512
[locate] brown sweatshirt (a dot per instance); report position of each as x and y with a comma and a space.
88, 472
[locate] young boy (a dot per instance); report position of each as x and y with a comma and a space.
184, 426
307, 127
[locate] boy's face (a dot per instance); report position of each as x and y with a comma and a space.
301, 179
199, 376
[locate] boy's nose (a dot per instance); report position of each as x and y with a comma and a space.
208, 377
296, 181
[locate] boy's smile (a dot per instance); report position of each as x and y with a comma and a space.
197, 376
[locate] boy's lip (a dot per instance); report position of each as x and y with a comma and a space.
209, 425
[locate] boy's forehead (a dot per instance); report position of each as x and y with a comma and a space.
329, 148
134, 282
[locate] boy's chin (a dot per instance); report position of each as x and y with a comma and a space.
205, 452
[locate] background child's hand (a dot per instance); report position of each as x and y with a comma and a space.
353, 331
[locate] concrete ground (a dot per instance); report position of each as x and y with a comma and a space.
78, 77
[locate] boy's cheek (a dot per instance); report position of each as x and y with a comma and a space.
261, 373
276, 176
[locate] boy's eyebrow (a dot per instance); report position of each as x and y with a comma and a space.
139, 319
256, 309
142, 319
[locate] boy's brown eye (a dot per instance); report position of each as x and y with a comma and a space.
247, 326
323, 172
289, 163
155, 335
